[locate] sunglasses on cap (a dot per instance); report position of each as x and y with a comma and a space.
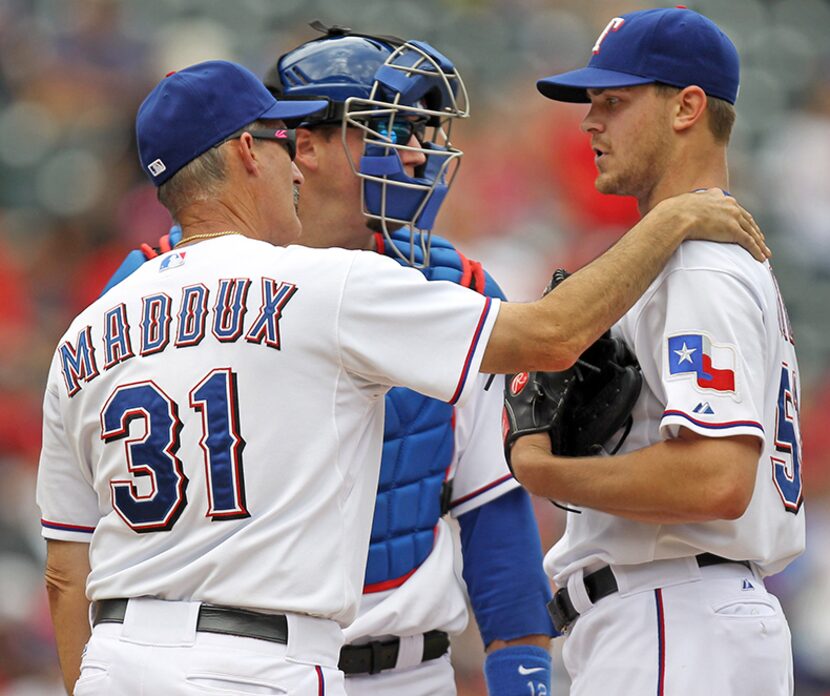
284, 136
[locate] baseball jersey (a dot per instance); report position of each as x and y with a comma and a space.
213, 424
718, 357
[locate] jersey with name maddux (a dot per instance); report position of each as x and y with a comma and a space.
718, 357
213, 424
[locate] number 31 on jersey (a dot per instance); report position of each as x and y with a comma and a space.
153, 455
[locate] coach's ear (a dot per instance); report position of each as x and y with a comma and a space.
307, 156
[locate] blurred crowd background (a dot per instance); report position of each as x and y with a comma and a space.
73, 201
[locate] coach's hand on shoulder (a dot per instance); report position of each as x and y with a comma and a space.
712, 215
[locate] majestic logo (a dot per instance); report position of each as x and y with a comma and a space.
703, 407
695, 354
613, 25
518, 383
156, 167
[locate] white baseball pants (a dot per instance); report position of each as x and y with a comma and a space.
157, 650
715, 631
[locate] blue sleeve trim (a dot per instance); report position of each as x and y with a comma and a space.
482, 320
503, 570
63, 527
714, 426
480, 491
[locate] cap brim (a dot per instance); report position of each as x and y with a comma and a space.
292, 109
571, 86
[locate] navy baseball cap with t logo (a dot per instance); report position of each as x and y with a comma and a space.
675, 46
193, 109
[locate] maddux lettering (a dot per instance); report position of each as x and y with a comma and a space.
158, 326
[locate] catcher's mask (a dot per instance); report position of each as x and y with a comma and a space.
391, 90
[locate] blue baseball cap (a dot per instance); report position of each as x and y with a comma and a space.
675, 46
192, 110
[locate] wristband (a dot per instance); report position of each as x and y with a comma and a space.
518, 670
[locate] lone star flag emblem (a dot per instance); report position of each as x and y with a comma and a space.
712, 364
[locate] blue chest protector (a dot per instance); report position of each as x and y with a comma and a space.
418, 445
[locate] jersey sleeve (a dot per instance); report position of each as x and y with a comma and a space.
397, 329
710, 353
481, 472
67, 500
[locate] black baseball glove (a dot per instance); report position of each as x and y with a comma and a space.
580, 408
534, 402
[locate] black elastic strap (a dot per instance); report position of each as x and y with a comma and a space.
339, 30
378, 655
446, 497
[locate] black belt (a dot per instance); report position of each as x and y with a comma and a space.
232, 622
378, 655
602, 583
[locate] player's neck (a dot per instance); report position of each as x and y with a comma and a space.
700, 170
210, 218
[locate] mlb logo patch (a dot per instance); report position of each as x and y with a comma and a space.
711, 364
156, 167
174, 260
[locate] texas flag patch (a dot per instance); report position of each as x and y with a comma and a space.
712, 364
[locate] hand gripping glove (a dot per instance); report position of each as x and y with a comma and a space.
580, 408
535, 402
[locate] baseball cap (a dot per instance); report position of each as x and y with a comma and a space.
192, 110
675, 46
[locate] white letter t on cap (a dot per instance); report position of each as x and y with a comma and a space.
613, 25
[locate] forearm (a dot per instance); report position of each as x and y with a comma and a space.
671, 482
66, 572
551, 333
597, 296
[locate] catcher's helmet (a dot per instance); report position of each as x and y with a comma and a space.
370, 83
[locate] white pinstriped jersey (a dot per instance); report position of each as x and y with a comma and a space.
718, 357
213, 424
